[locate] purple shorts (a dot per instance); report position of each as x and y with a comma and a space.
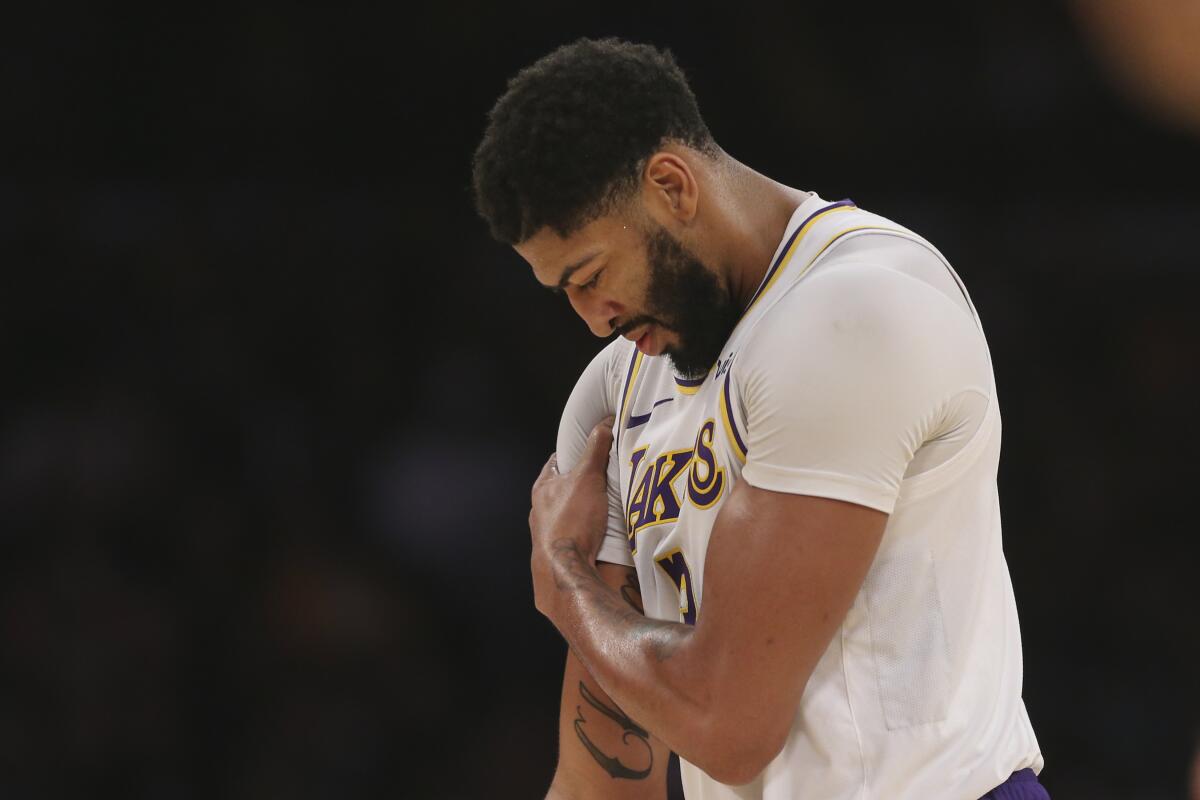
1021, 785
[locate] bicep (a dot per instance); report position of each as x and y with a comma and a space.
602, 752
781, 573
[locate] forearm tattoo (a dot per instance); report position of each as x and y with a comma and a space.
630, 730
623, 609
632, 592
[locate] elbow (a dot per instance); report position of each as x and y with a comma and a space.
735, 753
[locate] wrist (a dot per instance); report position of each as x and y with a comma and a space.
568, 569
570, 563
552, 564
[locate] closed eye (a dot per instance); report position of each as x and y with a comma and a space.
563, 284
595, 279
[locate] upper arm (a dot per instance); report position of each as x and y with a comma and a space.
593, 399
781, 572
602, 753
831, 428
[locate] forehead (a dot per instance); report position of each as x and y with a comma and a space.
551, 255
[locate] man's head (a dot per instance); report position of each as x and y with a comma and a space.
591, 167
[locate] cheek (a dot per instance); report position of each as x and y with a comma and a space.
626, 289
648, 288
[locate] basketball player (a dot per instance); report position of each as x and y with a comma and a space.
788, 456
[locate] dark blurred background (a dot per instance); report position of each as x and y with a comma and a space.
272, 400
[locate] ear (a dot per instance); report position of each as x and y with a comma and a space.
670, 190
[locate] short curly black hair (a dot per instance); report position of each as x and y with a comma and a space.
569, 136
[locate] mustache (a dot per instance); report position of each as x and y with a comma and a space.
637, 322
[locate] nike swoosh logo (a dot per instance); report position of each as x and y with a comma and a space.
641, 419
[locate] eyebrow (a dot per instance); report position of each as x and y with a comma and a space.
570, 270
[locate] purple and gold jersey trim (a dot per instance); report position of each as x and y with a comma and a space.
840, 234
735, 439
635, 365
689, 385
790, 248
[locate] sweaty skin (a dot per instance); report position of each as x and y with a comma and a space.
721, 693
603, 753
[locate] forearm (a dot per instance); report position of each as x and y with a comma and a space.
603, 754
649, 667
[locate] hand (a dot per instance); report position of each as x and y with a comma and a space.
569, 512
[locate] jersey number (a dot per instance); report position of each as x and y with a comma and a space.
675, 565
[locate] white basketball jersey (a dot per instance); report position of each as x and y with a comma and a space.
859, 372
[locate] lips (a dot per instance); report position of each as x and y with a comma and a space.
643, 341
636, 333
641, 336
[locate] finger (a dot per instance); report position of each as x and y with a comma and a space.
549, 469
598, 444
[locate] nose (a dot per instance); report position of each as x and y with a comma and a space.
598, 312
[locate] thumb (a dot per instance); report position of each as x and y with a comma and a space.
599, 442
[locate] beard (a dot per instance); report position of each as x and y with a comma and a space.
688, 299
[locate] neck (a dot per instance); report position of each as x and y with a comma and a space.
757, 211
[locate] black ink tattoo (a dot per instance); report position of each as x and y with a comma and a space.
631, 590
611, 764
